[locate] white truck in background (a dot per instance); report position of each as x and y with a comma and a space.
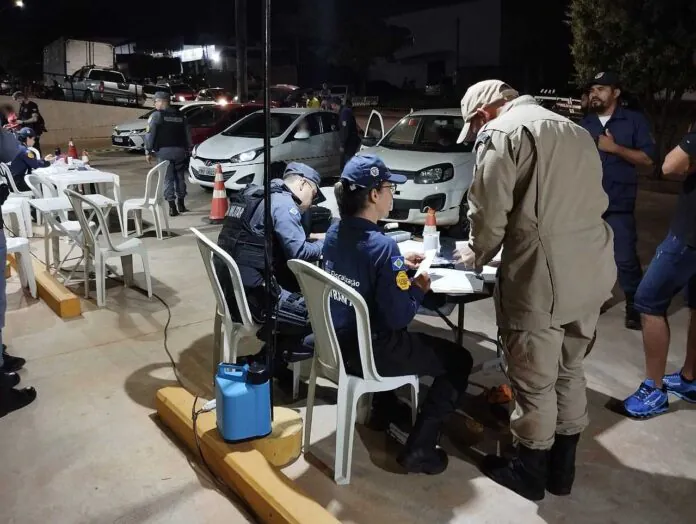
83, 71
64, 57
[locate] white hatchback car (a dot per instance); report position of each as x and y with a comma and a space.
297, 134
423, 147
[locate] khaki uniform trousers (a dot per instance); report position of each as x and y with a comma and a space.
545, 369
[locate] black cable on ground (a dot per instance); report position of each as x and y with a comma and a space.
223, 488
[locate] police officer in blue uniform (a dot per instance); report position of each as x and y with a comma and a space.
168, 137
625, 143
243, 237
357, 252
25, 160
348, 132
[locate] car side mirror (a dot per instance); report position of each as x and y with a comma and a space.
369, 141
302, 134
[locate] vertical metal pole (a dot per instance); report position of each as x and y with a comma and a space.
268, 219
240, 15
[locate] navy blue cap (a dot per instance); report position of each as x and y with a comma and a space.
305, 171
369, 171
24, 133
162, 95
605, 78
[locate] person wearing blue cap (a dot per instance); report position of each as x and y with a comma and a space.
243, 237
26, 160
168, 137
357, 252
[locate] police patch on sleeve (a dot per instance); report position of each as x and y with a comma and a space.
30, 154
402, 281
398, 263
294, 211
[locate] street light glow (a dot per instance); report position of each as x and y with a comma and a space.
19, 3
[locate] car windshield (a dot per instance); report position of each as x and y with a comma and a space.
432, 133
253, 126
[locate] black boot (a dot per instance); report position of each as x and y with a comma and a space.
525, 474
421, 454
10, 363
632, 320
14, 399
561, 472
173, 211
180, 205
8, 381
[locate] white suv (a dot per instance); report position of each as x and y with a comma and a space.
423, 147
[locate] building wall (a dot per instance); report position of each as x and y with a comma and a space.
66, 120
435, 39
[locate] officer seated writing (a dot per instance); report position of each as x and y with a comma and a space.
26, 160
357, 252
242, 236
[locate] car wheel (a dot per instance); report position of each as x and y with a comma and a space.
460, 230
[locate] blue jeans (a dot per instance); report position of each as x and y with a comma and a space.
672, 269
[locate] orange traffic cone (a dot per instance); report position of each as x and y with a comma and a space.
219, 205
72, 150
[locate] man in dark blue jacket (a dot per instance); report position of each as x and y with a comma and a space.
243, 237
625, 143
348, 132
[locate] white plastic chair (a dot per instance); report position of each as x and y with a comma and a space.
318, 287
232, 332
56, 226
17, 209
20, 247
5, 171
152, 201
101, 253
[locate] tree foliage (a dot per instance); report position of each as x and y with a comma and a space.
650, 43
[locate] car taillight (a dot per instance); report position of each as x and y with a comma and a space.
101, 87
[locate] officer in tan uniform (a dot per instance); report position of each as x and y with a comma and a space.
537, 194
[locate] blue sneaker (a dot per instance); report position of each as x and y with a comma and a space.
648, 401
676, 385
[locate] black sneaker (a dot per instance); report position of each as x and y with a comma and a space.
10, 363
180, 205
8, 380
14, 399
429, 461
173, 211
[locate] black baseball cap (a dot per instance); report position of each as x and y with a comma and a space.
604, 78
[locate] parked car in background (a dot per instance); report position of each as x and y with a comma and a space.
205, 119
423, 147
92, 84
215, 94
181, 93
297, 134
149, 90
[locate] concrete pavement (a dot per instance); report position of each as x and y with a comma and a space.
88, 450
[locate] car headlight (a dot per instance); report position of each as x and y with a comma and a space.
247, 156
137, 131
182, 99
435, 174
195, 150
116, 131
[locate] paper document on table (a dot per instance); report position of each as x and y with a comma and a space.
425, 264
455, 282
410, 246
